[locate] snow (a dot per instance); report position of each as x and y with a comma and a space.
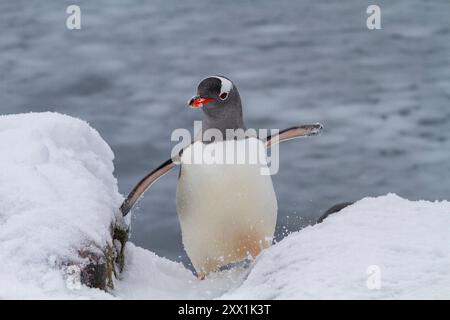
148, 276
58, 191
409, 242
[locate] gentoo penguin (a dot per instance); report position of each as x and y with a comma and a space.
227, 212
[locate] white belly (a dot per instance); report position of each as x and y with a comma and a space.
227, 212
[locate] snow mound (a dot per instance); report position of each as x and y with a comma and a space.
406, 243
57, 191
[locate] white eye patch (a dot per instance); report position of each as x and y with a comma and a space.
225, 85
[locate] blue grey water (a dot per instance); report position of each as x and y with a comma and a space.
382, 95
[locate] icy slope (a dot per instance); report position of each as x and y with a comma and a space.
57, 191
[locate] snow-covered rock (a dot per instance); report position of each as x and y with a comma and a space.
58, 193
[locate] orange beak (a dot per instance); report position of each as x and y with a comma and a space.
197, 102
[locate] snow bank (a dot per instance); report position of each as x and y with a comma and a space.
408, 242
57, 191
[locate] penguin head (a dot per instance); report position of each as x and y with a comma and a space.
220, 101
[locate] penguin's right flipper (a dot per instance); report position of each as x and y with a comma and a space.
307, 130
144, 184
151, 178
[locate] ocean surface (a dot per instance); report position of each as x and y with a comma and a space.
383, 96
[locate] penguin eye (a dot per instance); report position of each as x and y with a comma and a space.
223, 95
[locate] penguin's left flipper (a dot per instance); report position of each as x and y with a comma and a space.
307, 130
334, 209
144, 184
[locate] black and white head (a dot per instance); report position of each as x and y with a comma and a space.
221, 104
